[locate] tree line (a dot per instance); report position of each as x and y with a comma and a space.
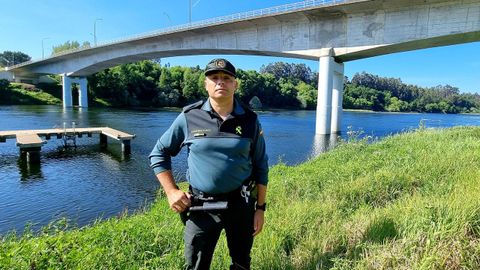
371, 92
276, 85
147, 83
10, 58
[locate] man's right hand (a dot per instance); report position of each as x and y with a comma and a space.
178, 200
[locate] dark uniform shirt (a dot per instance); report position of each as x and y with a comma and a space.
222, 154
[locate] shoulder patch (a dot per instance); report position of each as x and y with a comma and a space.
195, 105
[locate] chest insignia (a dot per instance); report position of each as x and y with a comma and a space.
238, 130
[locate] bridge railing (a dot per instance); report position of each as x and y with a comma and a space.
231, 18
209, 22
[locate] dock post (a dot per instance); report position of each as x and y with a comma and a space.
126, 148
32, 154
103, 139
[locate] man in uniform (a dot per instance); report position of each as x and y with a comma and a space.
226, 158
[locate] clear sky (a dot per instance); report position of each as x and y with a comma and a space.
25, 24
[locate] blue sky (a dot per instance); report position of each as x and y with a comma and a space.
24, 24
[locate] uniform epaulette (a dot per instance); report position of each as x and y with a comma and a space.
195, 105
247, 108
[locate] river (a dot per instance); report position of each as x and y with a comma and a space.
90, 183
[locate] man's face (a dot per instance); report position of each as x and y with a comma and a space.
220, 85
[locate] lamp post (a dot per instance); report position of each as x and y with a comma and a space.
190, 6
189, 11
43, 51
95, 30
168, 17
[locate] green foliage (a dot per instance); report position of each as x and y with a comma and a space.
372, 92
27, 94
278, 85
69, 45
290, 71
4, 84
407, 202
307, 95
9, 58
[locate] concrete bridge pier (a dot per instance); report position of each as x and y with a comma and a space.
330, 94
67, 91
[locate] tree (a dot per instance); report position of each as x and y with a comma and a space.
307, 95
4, 84
191, 91
396, 105
294, 72
9, 58
69, 45
288, 95
248, 84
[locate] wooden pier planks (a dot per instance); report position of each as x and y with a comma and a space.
117, 134
30, 143
29, 140
26, 137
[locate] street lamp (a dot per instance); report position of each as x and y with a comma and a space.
95, 30
168, 17
190, 6
190, 11
43, 52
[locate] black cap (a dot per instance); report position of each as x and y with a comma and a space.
220, 64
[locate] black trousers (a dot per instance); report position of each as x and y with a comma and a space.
203, 229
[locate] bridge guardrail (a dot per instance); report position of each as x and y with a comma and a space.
207, 22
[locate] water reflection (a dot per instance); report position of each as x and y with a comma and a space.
324, 143
29, 172
115, 152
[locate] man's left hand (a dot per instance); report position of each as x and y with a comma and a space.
258, 221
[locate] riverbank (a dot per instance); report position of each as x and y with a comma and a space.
407, 202
28, 94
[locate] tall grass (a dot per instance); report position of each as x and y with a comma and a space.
407, 202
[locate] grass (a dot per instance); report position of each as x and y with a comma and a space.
409, 201
26, 94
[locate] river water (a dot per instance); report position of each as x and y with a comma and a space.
90, 183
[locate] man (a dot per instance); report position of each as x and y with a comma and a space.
226, 156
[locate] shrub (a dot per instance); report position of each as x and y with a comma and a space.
4, 84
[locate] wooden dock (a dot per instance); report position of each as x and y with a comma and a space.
30, 141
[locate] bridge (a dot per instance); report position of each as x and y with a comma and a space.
330, 31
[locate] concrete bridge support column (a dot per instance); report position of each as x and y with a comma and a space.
83, 93
330, 77
337, 98
67, 91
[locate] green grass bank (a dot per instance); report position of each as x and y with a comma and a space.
409, 201
28, 94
